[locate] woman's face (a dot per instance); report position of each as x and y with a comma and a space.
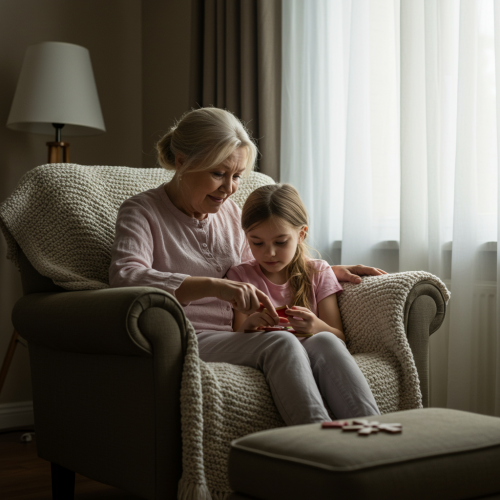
202, 193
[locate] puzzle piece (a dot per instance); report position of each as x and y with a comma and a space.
351, 428
363, 427
366, 431
391, 428
334, 425
277, 329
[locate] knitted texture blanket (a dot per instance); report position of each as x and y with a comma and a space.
63, 217
373, 319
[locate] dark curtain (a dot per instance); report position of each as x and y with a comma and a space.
236, 65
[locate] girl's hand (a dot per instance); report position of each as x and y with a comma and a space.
256, 321
244, 297
309, 322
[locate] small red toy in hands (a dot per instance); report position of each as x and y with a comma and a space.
283, 319
280, 310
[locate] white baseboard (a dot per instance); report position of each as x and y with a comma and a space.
16, 414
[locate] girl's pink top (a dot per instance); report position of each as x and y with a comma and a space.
324, 283
158, 245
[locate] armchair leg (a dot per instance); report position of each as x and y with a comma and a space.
8, 358
63, 483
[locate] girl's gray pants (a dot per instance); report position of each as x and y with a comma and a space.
299, 374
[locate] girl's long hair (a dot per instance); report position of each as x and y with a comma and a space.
283, 201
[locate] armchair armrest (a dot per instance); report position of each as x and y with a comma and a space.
110, 321
106, 369
395, 314
425, 309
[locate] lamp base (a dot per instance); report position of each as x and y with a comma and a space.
58, 152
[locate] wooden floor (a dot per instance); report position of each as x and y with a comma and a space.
24, 476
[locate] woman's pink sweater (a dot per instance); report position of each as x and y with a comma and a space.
158, 245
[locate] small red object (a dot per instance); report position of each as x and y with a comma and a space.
278, 328
280, 310
338, 424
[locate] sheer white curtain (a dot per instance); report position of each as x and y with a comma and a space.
389, 131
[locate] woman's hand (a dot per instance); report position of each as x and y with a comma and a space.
308, 322
245, 298
353, 273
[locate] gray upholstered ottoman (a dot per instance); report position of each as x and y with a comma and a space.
440, 454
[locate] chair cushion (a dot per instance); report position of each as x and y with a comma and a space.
441, 454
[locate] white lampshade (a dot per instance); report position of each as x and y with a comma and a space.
56, 85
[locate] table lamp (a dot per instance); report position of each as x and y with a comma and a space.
56, 89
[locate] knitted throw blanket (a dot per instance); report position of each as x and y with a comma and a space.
219, 403
373, 319
63, 217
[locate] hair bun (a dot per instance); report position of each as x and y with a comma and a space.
166, 156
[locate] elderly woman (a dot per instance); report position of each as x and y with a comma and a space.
184, 235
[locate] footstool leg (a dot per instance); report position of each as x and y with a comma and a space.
63, 483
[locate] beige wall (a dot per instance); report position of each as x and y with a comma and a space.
166, 32
140, 56
113, 38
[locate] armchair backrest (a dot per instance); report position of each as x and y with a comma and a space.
59, 222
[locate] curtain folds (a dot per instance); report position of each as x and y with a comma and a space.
395, 154
236, 65
497, 81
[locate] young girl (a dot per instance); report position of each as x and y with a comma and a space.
275, 223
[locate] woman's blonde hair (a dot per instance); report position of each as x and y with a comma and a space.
205, 137
283, 201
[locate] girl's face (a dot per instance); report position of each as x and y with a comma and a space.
273, 244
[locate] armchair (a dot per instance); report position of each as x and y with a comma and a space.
106, 364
